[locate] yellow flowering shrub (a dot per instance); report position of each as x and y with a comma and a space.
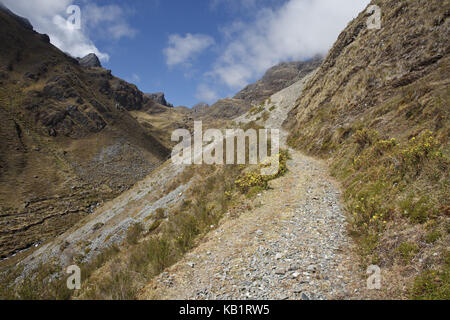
254, 178
385, 145
419, 149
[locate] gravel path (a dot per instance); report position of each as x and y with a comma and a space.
293, 244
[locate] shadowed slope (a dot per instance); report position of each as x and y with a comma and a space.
68, 140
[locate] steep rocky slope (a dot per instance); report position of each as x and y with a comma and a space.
68, 139
276, 79
159, 98
378, 107
225, 109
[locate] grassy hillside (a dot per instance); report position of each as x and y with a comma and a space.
378, 108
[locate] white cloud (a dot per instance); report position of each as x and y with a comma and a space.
205, 93
297, 30
50, 17
135, 78
108, 20
182, 50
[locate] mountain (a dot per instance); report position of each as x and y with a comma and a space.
277, 78
374, 115
223, 109
69, 141
199, 107
378, 109
137, 235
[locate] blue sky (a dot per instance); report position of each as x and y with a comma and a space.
193, 51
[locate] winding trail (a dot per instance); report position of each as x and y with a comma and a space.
292, 244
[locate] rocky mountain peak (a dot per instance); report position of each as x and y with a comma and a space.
159, 98
200, 106
277, 78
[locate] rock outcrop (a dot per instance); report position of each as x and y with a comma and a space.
200, 107
277, 78
159, 98
224, 109
90, 61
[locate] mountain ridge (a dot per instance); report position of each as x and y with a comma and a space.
68, 137
275, 79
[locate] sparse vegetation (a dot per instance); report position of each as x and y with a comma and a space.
120, 273
379, 115
433, 236
390, 150
256, 110
47, 282
407, 251
169, 240
134, 233
431, 285
252, 179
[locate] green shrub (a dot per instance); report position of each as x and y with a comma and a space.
161, 252
431, 285
419, 150
119, 286
155, 225
188, 229
383, 146
256, 109
365, 137
407, 251
418, 210
134, 233
433, 236
160, 213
